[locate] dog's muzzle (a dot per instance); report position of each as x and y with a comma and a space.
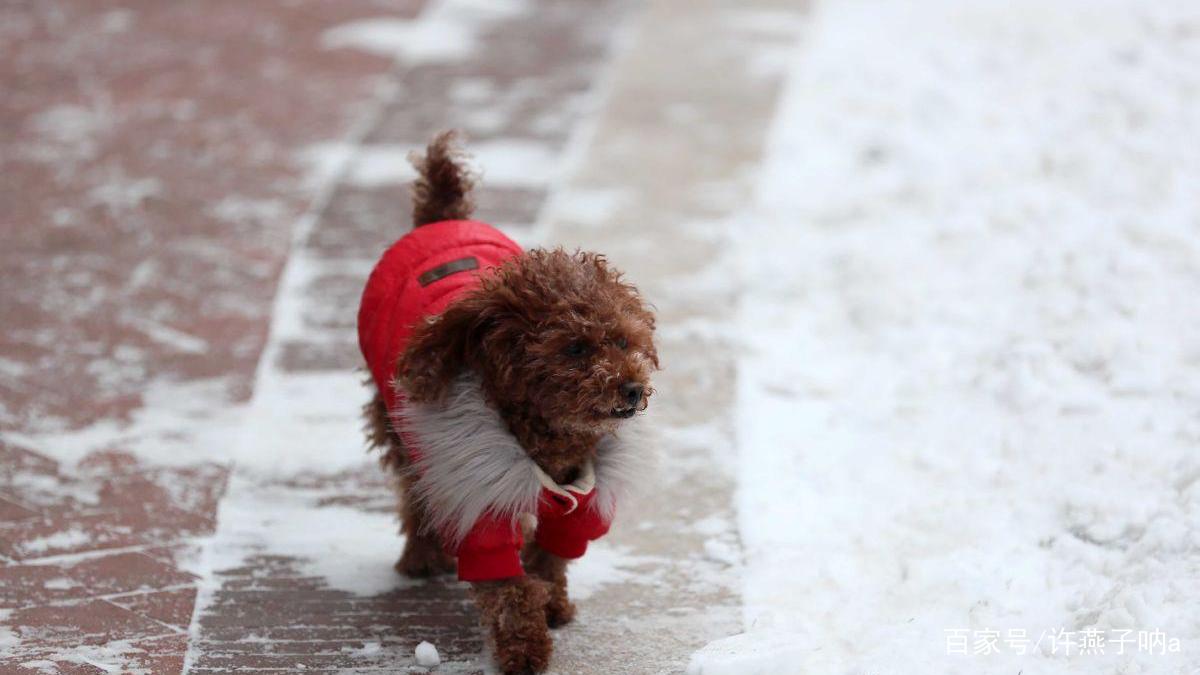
632, 395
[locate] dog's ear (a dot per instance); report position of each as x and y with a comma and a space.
445, 346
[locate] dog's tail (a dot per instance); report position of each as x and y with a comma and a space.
442, 190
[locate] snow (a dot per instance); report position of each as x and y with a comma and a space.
64, 539
381, 165
68, 134
122, 193
761, 652
446, 31
112, 657
236, 209
366, 166
370, 648
978, 411
179, 423
604, 565
427, 655
351, 549
514, 163
9, 639
510, 162
60, 583
590, 207
325, 162
171, 337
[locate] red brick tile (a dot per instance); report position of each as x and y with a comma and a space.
108, 462
175, 555
158, 656
46, 494
43, 663
91, 622
88, 263
67, 532
119, 510
10, 511
125, 573
15, 459
323, 625
195, 489
22, 585
173, 608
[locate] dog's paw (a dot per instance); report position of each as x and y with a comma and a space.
514, 610
559, 612
525, 656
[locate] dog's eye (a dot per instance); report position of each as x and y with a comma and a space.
577, 348
622, 343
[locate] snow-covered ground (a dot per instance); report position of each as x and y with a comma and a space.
968, 401
968, 411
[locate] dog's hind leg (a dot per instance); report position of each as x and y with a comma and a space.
550, 568
423, 554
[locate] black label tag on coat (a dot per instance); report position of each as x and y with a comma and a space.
446, 269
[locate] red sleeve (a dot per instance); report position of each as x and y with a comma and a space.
490, 551
567, 536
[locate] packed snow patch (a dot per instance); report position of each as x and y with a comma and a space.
351, 549
757, 653
446, 31
178, 423
60, 583
9, 639
68, 538
513, 162
590, 207
325, 162
111, 657
978, 412
371, 648
427, 655
603, 565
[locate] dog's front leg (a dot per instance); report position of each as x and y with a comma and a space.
549, 567
514, 612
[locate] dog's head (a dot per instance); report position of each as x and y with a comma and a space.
557, 336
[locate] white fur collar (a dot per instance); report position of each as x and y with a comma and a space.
469, 464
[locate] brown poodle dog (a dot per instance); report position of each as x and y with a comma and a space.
509, 385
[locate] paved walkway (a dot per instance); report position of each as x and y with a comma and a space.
193, 194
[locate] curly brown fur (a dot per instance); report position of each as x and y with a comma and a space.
552, 569
554, 337
513, 613
443, 186
378, 429
424, 555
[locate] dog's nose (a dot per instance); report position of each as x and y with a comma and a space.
632, 392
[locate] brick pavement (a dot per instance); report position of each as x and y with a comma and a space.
148, 190
155, 161
193, 195
523, 91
